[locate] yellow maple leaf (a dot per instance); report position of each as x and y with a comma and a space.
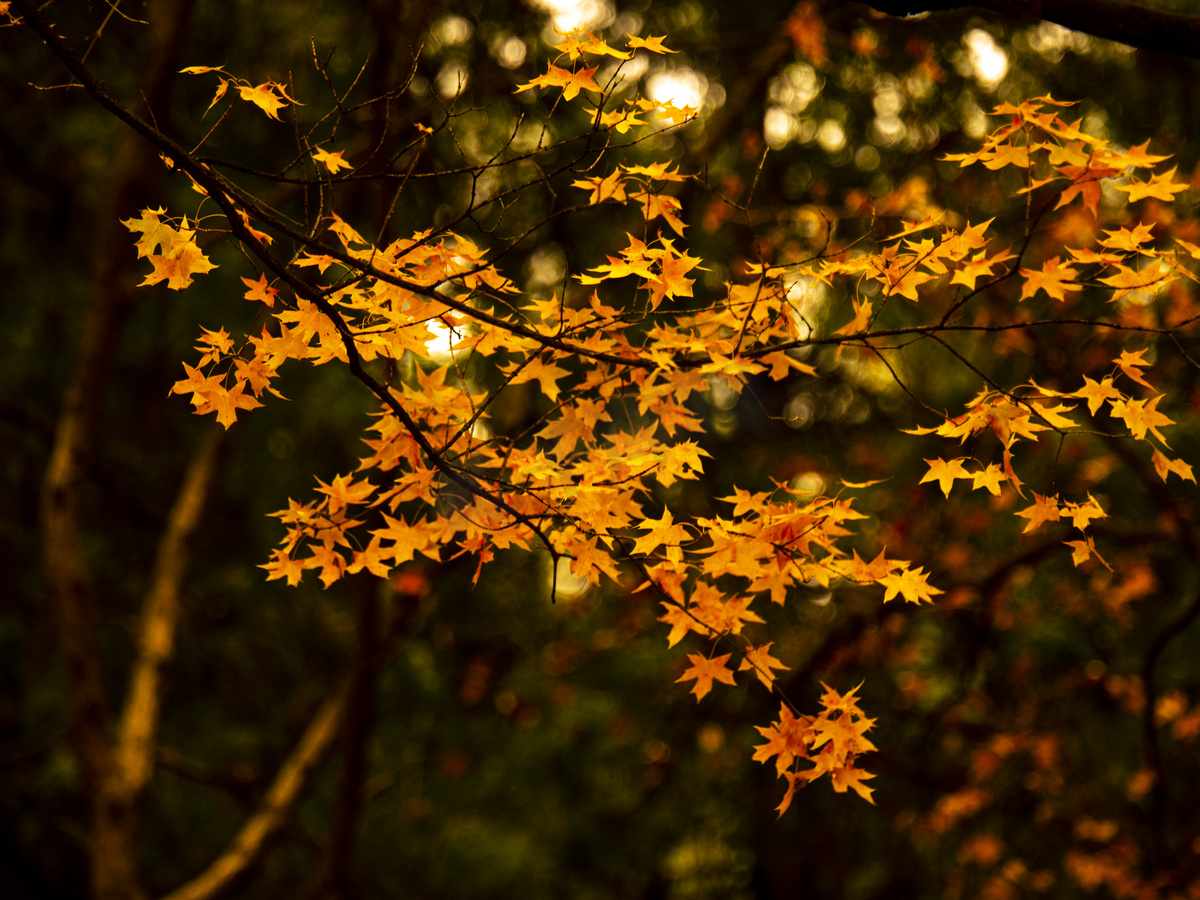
1141, 416
944, 473
761, 662
1052, 278
1160, 187
1095, 393
570, 82
653, 44
1165, 466
911, 584
331, 161
1044, 509
704, 671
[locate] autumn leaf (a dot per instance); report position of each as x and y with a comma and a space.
571, 82
226, 403
1141, 416
944, 473
1083, 550
662, 531
1160, 187
911, 584
761, 662
1165, 466
259, 290
1082, 514
610, 187
1052, 278
653, 44
154, 232
1044, 509
1129, 363
342, 492
1096, 392
704, 671
990, 478
331, 161
270, 97
180, 259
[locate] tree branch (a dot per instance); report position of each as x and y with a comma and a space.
133, 760
248, 844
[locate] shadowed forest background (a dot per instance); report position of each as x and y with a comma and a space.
423, 736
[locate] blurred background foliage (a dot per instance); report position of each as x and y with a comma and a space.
518, 747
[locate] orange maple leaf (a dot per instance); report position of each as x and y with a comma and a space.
1165, 466
1141, 416
761, 662
1044, 509
653, 44
270, 97
260, 290
331, 161
704, 671
1160, 187
1095, 393
1129, 363
571, 82
1052, 278
944, 473
662, 531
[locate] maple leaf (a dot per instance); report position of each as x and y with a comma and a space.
1159, 187
571, 82
283, 566
662, 531
227, 403
622, 120
787, 740
850, 777
178, 263
1081, 515
1053, 415
270, 97
1129, 363
1044, 509
911, 584
944, 473
861, 320
761, 662
331, 161
261, 235
1127, 239
154, 232
653, 44
260, 290
406, 539
677, 114
704, 671
1141, 416
1052, 278
1083, 550
343, 492
1165, 466
1095, 393
990, 478
1085, 183
545, 374
371, 559
611, 187
1138, 157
